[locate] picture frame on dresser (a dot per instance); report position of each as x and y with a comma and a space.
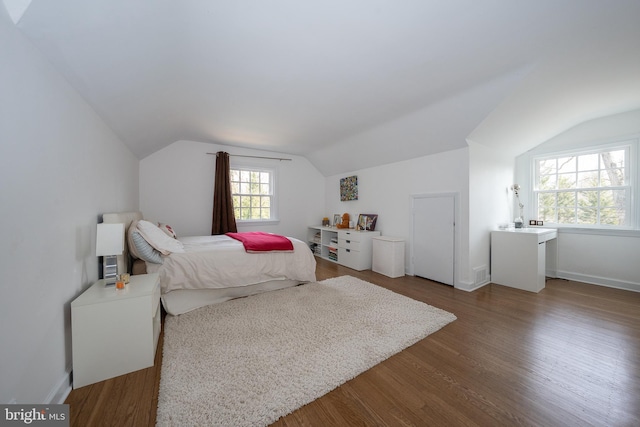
367, 222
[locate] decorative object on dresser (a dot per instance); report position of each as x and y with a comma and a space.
344, 222
367, 222
109, 244
337, 219
221, 363
114, 332
349, 188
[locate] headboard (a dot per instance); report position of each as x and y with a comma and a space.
125, 218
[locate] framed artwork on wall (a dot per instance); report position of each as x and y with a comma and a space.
349, 188
337, 219
367, 222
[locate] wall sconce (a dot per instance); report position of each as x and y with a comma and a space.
109, 243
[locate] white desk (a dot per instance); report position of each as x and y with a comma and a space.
518, 257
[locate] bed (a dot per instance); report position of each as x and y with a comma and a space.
204, 270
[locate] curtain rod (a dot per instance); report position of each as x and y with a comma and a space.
255, 157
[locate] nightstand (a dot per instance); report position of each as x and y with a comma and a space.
115, 332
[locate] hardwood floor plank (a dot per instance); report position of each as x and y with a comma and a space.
567, 356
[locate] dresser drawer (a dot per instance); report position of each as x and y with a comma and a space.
351, 258
353, 236
348, 244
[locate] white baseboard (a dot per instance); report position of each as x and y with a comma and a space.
601, 281
471, 286
60, 392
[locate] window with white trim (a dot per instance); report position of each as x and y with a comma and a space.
253, 192
585, 188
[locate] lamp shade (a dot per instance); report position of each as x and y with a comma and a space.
109, 239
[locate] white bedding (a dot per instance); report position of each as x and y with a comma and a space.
215, 262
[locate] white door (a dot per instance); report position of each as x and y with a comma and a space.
433, 237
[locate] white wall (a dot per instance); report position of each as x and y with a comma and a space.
60, 167
490, 202
386, 191
608, 258
176, 187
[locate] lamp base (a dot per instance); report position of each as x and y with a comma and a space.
110, 270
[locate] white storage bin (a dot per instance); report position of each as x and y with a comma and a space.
388, 256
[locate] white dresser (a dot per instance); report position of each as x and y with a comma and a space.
354, 248
345, 246
518, 257
115, 332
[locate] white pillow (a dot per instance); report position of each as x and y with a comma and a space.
158, 238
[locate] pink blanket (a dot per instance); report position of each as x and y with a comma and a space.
257, 241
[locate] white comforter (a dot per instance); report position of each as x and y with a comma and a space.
221, 262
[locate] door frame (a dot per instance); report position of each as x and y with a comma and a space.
456, 230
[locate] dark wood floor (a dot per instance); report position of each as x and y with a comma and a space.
568, 356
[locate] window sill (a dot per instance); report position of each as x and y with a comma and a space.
258, 222
598, 231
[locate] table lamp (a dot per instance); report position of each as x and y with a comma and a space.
109, 243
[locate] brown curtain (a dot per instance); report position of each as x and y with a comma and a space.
223, 218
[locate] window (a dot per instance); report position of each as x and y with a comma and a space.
586, 189
253, 193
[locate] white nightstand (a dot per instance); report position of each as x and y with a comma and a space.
115, 332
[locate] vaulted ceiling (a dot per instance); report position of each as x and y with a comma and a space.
372, 80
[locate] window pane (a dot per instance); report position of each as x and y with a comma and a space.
235, 188
266, 213
255, 201
547, 182
264, 177
612, 216
587, 215
566, 216
566, 164
235, 175
245, 176
567, 198
588, 162
612, 177
245, 188
587, 179
588, 199
547, 166
264, 188
566, 181
265, 202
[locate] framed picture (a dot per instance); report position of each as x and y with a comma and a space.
367, 222
349, 188
337, 219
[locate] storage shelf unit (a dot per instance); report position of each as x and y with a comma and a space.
345, 246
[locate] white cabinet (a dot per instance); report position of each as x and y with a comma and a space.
345, 246
115, 332
388, 256
354, 248
518, 257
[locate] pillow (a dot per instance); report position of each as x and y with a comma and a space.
167, 229
158, 239
142, 249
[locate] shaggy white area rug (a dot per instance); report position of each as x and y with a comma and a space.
250, 361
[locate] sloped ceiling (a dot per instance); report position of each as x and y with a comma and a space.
379, 81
